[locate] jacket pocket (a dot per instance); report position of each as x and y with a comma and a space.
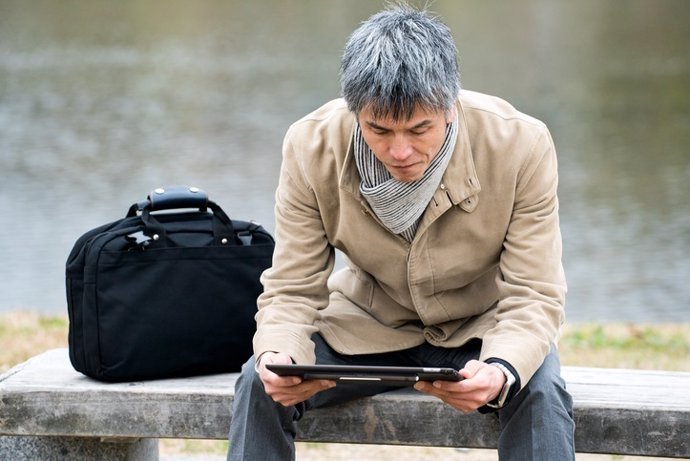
472, 299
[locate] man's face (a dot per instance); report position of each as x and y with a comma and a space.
406, 148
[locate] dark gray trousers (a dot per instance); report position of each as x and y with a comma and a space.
536, 425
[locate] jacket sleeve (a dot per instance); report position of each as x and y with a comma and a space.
295, 287
531, 280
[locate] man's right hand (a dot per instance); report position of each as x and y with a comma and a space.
288, 390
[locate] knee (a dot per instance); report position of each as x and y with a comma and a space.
549, 390
251, 397
249, 380
538, 423
547, 387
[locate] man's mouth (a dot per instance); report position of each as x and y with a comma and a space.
403, 167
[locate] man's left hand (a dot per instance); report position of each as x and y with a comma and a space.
481, 385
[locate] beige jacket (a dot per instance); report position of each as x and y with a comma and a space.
485, 262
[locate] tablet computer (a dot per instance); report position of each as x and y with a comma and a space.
400, 376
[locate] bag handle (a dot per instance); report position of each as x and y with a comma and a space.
174, 197
181, 197
171, 198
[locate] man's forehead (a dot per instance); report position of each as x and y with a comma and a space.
418, 117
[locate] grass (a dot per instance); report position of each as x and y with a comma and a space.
646, 346
24, 334
649, 346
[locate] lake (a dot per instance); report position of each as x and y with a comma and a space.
101, 102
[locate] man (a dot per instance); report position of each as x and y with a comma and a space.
444, 204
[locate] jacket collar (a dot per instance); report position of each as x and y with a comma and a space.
460, 179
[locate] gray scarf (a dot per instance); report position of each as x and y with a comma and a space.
399, 205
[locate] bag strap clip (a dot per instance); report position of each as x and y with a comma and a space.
139, 238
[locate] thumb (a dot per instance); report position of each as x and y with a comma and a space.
471, 368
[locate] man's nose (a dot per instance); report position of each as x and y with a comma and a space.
400, 148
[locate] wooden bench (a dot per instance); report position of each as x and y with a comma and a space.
49, 411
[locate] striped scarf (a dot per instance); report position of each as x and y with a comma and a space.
399, 205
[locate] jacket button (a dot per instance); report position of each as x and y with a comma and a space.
443, 186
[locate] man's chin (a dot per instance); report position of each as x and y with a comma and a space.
406, 174
407, 177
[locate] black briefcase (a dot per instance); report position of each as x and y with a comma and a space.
168, 291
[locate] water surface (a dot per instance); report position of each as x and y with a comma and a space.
100, 102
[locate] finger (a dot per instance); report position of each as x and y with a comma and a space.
430, 389
422, 386
449, 386
451, 394
471, 368
271, 379
453, 400
290, 395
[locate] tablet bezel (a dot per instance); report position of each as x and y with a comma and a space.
367, 374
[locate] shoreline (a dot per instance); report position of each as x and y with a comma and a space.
654, 346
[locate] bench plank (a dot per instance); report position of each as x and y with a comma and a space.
631, 412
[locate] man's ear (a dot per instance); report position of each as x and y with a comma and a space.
451, 115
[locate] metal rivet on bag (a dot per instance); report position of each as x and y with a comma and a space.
160, 191
193, 190
156, 236
224, 241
